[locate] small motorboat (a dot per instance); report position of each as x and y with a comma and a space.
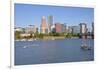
53, 38
24, 46
85, 47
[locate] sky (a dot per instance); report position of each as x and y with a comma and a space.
30, 14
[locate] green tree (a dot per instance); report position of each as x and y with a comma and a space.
41, 35
17, 35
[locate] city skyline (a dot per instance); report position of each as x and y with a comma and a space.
28, 14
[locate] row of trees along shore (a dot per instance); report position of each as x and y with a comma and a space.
48, 35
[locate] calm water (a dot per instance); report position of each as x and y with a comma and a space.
52, 51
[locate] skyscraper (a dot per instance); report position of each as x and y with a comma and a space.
43, 27
50, 23
92, 27
83, 28
93, 30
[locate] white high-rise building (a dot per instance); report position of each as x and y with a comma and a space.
83, 28
50, 23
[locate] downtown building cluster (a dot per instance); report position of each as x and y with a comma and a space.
49, 26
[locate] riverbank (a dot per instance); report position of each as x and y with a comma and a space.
46, 38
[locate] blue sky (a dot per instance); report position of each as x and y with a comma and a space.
26, 14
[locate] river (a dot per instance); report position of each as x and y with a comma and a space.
52, 51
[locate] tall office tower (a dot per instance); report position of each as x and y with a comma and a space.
43, 27
83, 28
93, 30
50, 23
58, 27
92, 27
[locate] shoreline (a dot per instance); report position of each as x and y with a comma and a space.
47, 39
